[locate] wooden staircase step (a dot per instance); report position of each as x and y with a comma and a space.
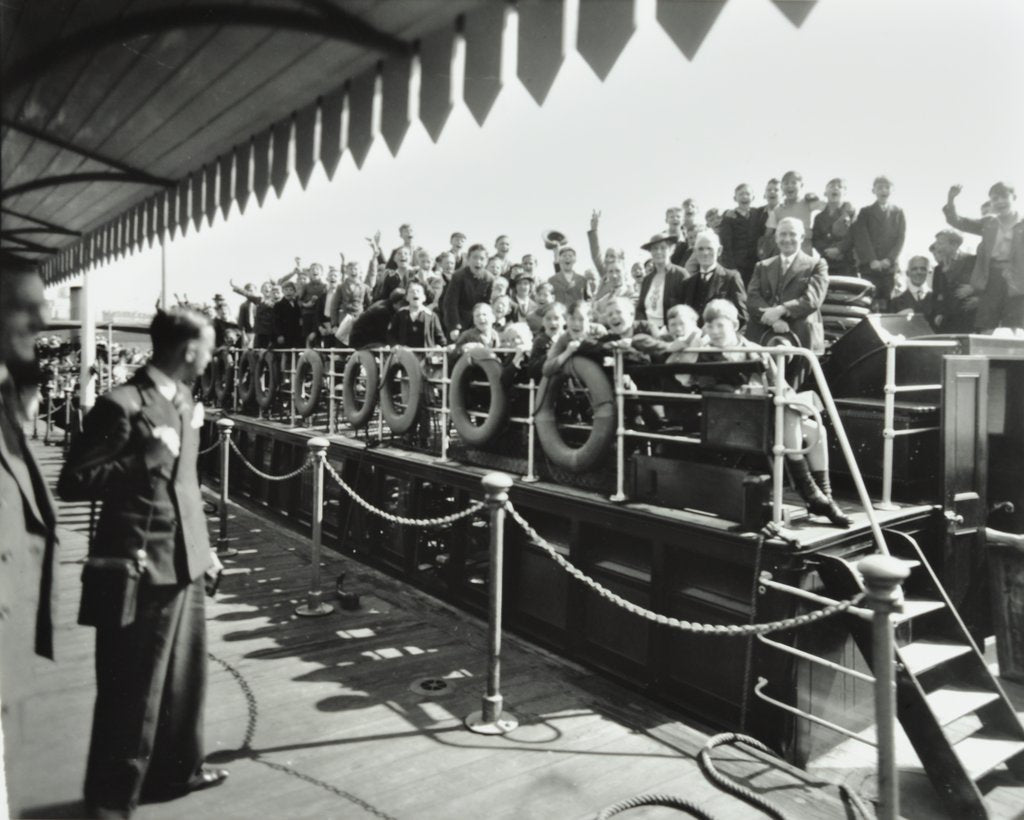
915, 608
920, 656
980, 754
949, 703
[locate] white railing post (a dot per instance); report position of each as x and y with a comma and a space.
314, 606
620, 432
491, 720
882, 578
531, 473
888, 427
49, 409
379, 386
291, 389
331, 386
779, 444
443, 458
224, 428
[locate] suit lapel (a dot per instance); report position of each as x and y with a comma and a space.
155, 408
799, 266
18, 465
775, 275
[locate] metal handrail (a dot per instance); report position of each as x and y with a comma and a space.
889, 411
835, 727
778, 389
765, 580
816, 659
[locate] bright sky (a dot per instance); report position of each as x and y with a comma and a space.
923, 90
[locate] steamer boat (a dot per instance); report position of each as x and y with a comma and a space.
691, 521
128, 122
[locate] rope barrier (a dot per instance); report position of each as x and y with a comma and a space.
728, 630
211, 448
45, 416
301, 468
398, 519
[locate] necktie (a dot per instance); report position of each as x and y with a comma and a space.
183, 404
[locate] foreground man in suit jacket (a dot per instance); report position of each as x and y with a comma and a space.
137, 454
28, 528
712, 281
786, 291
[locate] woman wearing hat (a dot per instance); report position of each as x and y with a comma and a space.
522, 294
664, 286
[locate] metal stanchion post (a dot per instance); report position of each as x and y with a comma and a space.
379, 385
314, 605
490, 720
531, 470
49, 416
224, 428
67, 419
883, 575
291, 390
888, 423
779, 445
620, 433
443, 458
331, 387
35, 423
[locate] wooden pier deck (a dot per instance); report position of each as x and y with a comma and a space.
319, 717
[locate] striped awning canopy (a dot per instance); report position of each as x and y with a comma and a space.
127, 120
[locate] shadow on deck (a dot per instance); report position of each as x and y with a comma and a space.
322, 718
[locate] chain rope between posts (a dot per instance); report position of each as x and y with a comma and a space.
51, 411
728, 630
211, 448
252, 715
472, 509
300, 469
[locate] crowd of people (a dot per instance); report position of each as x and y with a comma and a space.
414, 297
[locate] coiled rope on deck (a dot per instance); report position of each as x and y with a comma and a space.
728, 630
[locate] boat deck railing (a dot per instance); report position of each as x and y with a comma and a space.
891, 390
782, 398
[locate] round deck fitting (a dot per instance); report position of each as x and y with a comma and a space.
432, 687
502, 726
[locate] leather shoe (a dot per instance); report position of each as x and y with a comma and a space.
93, 810
206, 778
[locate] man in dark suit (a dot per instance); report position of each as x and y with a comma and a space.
662, 288
137, 455
918, 297
28, 525
786, 291
469, 286
712, 281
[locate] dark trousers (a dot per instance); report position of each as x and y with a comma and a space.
147, 731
